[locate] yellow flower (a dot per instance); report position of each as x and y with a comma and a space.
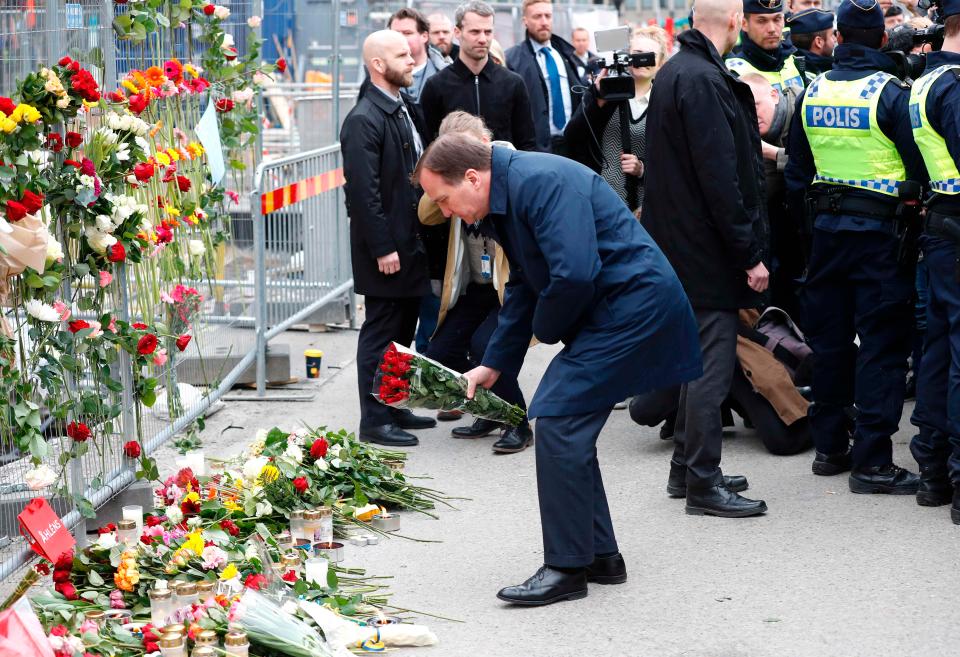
229, 572
163, 159
130, 86
269, 473
28, 113
174, 154
8, 125
191, 497
189, 68
231, 503
195, 148
194, 543
17, 113
172, 211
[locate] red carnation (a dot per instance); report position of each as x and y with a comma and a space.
209, 9
255, 581
146, 539
170, 173
147, 344
183, 183
55, 142
65, 61
144, 171
78, 431
140, 326
183, 341
78, 325
290, 576
74, 139
7, 106
132, 449
282, 65
224, 105
15, 211
301, 484
138, 103
31, 201
189, 508
319, 448
152, 520
116, 253
164, 235
67, 590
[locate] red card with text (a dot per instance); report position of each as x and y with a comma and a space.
44, 530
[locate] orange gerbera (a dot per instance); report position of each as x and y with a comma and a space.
155, 76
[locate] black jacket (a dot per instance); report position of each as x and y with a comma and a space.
522, 60
378, 158
496, 94
704, 202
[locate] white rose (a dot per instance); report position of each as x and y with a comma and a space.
227, 42
174, 514
254, 21
54, 249
295, 453
194, 521
251, 553
100, 241
260, 79
64, 102
252, 468
42, 475
197, 248
221, 12
107, 541
242, 95
104, 223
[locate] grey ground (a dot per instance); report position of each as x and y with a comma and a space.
824, 573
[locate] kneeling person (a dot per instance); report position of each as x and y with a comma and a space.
583, 271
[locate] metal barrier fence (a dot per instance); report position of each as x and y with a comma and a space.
302, 245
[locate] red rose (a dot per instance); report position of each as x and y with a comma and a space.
301, 484
67, 590
116, 97
151, 646
230, 527
71, 163
117, 253
144, 171
74, 139
78, 431
74, 67
255, 581
209, 9
146, 540
140, 326
138, 103
59, 630
65, 61
78, 325
7, 106
108, 528
290, 576
15, 211
55, 142
132, 449
183, 341
60, 576
147, 344
152, 520
183, 183
282, 65
319, 448
223, 105
32, 202
64, 561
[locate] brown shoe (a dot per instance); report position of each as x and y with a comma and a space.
449, 416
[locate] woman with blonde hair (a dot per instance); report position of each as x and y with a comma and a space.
594, 134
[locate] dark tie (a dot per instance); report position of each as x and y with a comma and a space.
556, 93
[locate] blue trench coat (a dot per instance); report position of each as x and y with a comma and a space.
585, 272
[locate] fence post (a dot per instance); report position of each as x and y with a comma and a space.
260, 286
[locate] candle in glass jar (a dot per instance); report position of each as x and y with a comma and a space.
316, 570
325, 533
296, 524
186, 594
172, 644
206, 590
195, 461
236, 644
134, 512
161, 605
206, 638
290, 561
311, 524
127, 532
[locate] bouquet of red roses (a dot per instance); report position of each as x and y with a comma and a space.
408, 380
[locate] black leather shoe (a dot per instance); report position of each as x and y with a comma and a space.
955, 507
667, 429
405, 419
887, 479
449, 416
478, 429
513, 440
934, 489
677, 482
607, 570
389, 435
547, 586
722, 502
827, 465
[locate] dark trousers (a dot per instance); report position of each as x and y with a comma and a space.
574, 515
429, 309
386, 321
462, 339
698, 435
937, 414
856, 288
558, 146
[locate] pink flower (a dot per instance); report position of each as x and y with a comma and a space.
233, 196
160, 358
166, 298
112, 326
89, 626
62, 310
116, 599
105, 278
97, 329
213, 557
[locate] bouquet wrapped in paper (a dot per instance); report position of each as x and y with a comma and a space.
267, 625
406, 379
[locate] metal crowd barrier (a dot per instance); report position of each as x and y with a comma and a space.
301, 246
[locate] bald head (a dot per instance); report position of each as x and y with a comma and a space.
719, 20
387, 56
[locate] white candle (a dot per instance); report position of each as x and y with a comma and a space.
317, 571
195, 462
134, 512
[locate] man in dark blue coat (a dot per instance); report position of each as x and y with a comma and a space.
582, 271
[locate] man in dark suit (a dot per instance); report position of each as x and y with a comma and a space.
548, 66
381, 143
582, 271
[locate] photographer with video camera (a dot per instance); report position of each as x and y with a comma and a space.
851, 148
935, 116
595, 133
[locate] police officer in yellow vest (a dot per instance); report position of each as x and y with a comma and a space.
935, 118
852, 145
762, 48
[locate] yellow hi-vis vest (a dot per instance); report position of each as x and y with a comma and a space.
944, 177
848, 146
788, 73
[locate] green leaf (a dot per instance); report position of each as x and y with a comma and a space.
84, 506
148, 398
34, 281
95, 578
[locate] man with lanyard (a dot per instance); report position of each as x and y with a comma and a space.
851, 144
814, 36
935, 117
762, 48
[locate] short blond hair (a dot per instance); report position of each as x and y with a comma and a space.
527, 3
465, 123
657, 34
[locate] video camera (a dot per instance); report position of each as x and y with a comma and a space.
618, 84
903, 39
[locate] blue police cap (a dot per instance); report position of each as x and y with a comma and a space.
810, 21
949, 8
762, 6
860, 14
